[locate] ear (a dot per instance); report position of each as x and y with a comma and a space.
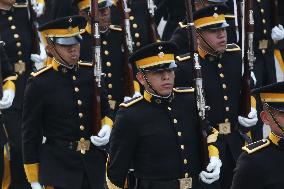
140, 78
265, 117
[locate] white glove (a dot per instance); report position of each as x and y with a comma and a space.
253, 78
39, 59
103, 136
212, 172
7, 99
38, 8
251, 120
136, 94
36, 185
277, 33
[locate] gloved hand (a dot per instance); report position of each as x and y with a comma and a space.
127, 98
36, 185
251, 120
103, 136
277, 33
212, 172
39, 59
7, 99
38, 8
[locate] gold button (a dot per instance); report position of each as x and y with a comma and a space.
79, 102
264, 31
137, 35
226, 120
109, 97
227, 109
138, 44
82, 140
185, 161
109, 86
82, 127
76, 89
106, 53
13, 27
80, 115
263, 21
169, 108
221, 75
225, 97
19, 53
105, 42
220, 66
135, 25
16, 36
262, 10
10, 18
131, 17
74, 77
18, 44
224, 86
263, 51
175, 121
258, 1
108, 64
186, 175
109, 75
179, 133
182, 147
20, 61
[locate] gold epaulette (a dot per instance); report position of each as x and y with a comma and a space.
115, 28
182, 25
183, 57
131, 102
184, 90
232, 47
38, 72
80, 63
255, 146
229, 16
20, 5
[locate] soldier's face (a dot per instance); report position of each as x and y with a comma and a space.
162, 81
267, 119
104, 15
70, 53
7, 3
217, 38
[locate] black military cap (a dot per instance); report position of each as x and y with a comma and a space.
211, 17
155, 56
273, 95
85, 4
64, 31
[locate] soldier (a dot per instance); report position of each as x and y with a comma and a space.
58, 105
158, 133
222, 71
8, 94
260, 165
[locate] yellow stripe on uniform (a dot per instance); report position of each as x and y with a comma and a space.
6, 180
279, 58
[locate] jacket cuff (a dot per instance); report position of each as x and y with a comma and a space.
32, 172
9, 85
107, 121
213, 151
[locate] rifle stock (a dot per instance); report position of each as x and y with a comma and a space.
275, 12
35, 49
153, 32
95, 32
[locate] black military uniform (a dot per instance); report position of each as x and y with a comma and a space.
160, 136
222, 85
260, 165
58, 105
17, 34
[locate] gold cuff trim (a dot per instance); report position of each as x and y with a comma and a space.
155, 60
213, 151
206, 21
32, 172
213, 137
10, 78
107, 121
6, 180
9, 85
253, 102
88, 28
272, 97
279, 58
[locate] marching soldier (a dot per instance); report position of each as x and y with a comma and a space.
58, 105
221, 69
158, 133
260, 165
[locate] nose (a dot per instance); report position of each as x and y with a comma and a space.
222, 33
166, 75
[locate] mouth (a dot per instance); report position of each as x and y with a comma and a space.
167, 85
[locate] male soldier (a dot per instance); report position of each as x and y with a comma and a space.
158, 133
260, 166
8, 92
16, 32
59, 105
221, 68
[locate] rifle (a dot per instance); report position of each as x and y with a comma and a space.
275, 12
35, 49
153, 32
97, 65
199, 92
248, 56
128, 48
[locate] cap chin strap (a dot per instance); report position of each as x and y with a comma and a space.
151, 87
273, 117
206, 45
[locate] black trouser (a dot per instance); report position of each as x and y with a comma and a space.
85, 184
1, 163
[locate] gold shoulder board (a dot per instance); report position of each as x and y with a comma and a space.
255, 146
131, 102
115, 28
184, 90
182, 25
20, 5
80, 63
183, 57
41, 70
229, 16
232, 47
